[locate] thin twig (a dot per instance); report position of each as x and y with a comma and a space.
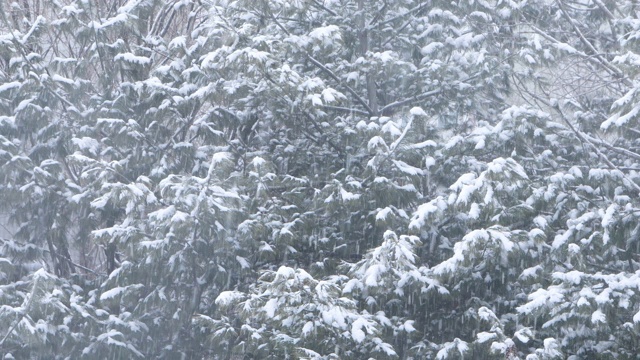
345, 109
78, 265
410, 100
320, 6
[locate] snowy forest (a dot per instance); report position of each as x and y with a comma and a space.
320, 179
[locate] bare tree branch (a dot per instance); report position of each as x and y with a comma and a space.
419, 97
345, 109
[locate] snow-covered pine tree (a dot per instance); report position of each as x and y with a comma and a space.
591, 189
339, 82
110, 171
577, 203
311, 179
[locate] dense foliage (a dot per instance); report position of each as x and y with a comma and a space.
319, 179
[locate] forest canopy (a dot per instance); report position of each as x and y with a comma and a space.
319, 179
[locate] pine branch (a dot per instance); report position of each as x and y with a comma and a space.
13, 327
77, 265
358, 98
410, 100
618, 150
345, 109
20, 45
613, 271
320, 6
319, 65
587, 43
586, 139
405, 14
590, 58
317, 127
22, 316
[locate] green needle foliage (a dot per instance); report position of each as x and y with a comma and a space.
306, 179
